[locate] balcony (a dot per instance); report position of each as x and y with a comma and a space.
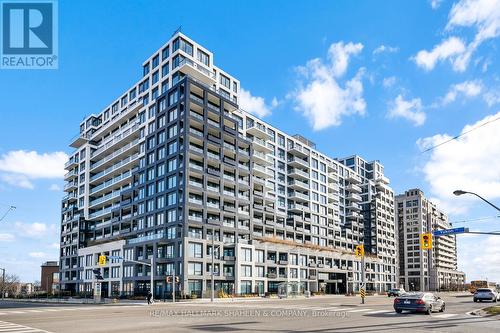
298, 151
120, 136
382, 180
353, 178
353, 188
297, 208
70, 175
197, 71
353, 215
260, 157
111, 157
79, 140
260, 145
70, 186
353, 207
258, 130
298, 162
297, 196
260, 171
72, 162
298, 185
298, 173
354, 197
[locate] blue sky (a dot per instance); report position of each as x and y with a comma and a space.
382, 79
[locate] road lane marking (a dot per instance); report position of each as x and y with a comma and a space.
445, 315
11, 327
17, 312
360, 310
379, 311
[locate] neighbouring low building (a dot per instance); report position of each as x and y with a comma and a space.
49, 277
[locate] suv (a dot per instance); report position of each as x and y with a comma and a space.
395, 292
486, 294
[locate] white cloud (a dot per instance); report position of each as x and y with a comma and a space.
451, 48
492, 96
35, 230
7, 237
466, 89
54, 187
20, 167
469, 258
407, 109
54, 245
436, 3
470, 163
481, 15
256, 105
37, 254
384, 48
388, 82
17, 180
320, 96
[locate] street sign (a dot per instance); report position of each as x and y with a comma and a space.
445, 232
115, 258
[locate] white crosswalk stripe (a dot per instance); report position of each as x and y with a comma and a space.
445, 315
379, 311
15, 328
360, 310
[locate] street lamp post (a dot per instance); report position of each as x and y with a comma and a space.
460, 192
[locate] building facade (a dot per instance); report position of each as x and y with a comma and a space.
49, 276
424, 270
175, 171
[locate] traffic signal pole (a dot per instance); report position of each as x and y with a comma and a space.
173, 285
362, 277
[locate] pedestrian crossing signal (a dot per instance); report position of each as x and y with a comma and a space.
359, 251
102, 260
169, 279
426, 241
176, 279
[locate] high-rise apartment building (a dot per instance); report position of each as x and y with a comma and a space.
419, 269
173, 166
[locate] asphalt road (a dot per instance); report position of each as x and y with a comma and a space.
317, 314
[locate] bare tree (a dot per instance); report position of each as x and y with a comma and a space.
11, 285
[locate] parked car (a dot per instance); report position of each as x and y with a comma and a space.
419, 302
486, 294
395, 292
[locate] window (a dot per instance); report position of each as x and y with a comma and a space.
225, 81
185, 46
155, 77
246, 254
195, 250
165, 53
172, 198
246, 270
156, 61
164, 70
194, 268
145, 69
260, 256
203, 57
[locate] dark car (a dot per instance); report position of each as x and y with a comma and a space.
419, 302
395, 292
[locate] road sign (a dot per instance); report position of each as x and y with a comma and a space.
426, 241
445, 232
359, 251
362, 293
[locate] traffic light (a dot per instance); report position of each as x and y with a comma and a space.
176, 279
102, 260
169, 279
426, 241
359, 251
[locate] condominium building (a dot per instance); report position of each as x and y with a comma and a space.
173, 172
419, 269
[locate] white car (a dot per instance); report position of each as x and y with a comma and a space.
486, 294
